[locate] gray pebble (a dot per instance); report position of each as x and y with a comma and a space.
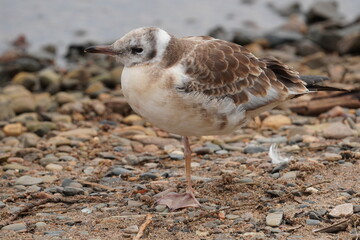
49, 159
40, 224
33, 189
356, 208
245, 180
72, 191
161, 208
117, 172
131, 229
68, 158
222, 151
15, 227
312, 222
86, 210
290, 175
132, 203
212, 147
274, 219
148, 176
2, 204
176, 155
54, 233
132, 159
280, 167
201, 150
254, 149
107, 155
28, 180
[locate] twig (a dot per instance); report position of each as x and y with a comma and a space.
340, 226
30, 206
98, 185
143, 227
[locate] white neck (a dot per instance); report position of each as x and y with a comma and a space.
162, 41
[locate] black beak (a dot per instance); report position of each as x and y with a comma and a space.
108, 50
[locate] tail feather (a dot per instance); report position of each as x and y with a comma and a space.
312, 83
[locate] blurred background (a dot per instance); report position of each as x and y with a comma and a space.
66, 22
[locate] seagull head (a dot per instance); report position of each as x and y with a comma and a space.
140, 46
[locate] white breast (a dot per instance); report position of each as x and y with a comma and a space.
152, 94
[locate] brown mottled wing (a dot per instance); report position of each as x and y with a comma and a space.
218, 68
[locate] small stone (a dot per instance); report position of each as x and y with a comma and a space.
254, 149
311, 190
2, 204
290, 175
176, 155
332, 156
132, 203
222, 151
161, 208
49, 179
54, 233
33, 189
337, 130
276, 121
49, 80
40, 225
343, 210
133, 119
72, 191
14, 166
13, 129
54, 167
28, 180
274, 219
64, 97
29, 139
86, 210
148, 176
89, 170
312, 222
132, 229
15, 227
48, 159
356, 208
232, 216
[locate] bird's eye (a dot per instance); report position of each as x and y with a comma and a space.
136, 50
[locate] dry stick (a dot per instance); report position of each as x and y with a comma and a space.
29, 206
143, 227
98, 185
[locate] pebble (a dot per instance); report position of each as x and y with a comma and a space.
39, 225
132, 229
118, 171
176, 155
254, 149
49, 179
86, 210
148, 176
356, 208
337, 130
28, 180
14, 166
54, 167
161, 208
15, 227
274, 219
222, 151
312, 222
232, 216
332, 156
343, 210
132, 203
54, 233
89, 170
2, 204
13, 129
72, 191
290, 175
48, 159
276, 121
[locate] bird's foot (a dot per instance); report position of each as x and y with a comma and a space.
179, 200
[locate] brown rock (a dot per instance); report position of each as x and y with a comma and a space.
276, 121
342, 210
337, 130
13, 129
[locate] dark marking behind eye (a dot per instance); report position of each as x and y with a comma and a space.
152, 54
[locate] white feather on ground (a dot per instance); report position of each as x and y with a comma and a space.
275, 156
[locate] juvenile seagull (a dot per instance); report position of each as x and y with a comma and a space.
196, 86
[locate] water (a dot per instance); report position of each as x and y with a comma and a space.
62, 22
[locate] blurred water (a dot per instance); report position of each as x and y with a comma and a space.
62, 22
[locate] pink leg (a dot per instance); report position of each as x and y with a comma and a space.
176, 200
